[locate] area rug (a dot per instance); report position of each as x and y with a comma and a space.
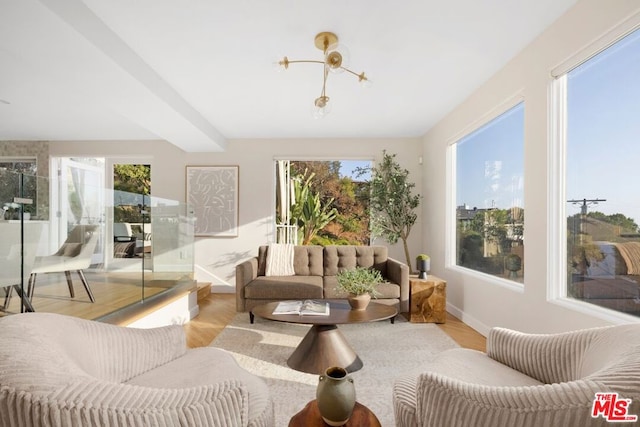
387, 350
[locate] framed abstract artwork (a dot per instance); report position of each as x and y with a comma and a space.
212, 194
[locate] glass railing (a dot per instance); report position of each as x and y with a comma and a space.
71, 247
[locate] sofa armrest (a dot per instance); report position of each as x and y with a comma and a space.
117, 353
87, 402
539, 355
245, 272
398, 273
66, 345
441, 400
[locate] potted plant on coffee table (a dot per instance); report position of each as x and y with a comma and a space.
361, 284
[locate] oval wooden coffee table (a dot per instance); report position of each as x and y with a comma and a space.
324, 345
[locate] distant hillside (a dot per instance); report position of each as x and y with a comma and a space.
602, 231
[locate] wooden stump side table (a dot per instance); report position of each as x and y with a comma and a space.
310, 417
427, 300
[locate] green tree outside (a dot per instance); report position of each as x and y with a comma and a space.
347, 196
130, 182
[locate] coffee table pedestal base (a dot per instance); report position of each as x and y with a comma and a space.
322, 347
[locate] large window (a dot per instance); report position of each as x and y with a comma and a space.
602, 175
489, 197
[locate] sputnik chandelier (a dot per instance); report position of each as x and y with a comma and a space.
335, 58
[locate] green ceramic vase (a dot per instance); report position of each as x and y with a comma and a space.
336, 396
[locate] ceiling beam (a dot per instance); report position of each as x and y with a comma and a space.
174, 112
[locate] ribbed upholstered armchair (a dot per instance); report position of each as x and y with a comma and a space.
524, 380
64, 371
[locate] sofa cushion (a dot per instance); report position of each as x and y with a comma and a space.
338, 258
195, 369
470, 366
609, 351
477, 368
284, 287
307, 260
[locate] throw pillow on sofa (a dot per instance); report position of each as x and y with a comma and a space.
280, 260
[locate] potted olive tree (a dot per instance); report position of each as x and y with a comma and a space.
361, 284
392, 201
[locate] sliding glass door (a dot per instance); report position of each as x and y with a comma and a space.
78, 198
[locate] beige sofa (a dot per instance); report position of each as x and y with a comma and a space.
316, 268
63, 371
525, 380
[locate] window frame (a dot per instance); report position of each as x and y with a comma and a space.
557, 170
451, 187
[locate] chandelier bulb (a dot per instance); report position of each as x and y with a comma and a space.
321, 107
337, 57
334, 60
364, 80
321, 101
280, 65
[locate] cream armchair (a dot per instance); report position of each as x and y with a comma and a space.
63, 371
74, 255
18, 249
524, 380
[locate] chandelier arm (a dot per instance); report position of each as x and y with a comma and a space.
324, 79
358, 75
311, 61
305, 61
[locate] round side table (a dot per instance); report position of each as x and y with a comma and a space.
310, 417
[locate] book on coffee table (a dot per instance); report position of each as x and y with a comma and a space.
303, 308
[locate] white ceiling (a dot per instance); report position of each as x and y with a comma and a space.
200, 72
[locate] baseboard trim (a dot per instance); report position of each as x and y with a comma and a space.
222, 289
469, 320
193, 312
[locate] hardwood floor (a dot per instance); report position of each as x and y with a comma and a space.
217, 310
463, 334
113, 292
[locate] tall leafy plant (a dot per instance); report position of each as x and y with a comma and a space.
392, 202
308, 211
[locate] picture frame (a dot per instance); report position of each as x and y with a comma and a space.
212, 195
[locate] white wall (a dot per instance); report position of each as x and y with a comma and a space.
215, 258
478, 301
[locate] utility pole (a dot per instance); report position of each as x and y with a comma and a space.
583, 211
585, 203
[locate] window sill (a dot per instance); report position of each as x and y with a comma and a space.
487, 278
602, 313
